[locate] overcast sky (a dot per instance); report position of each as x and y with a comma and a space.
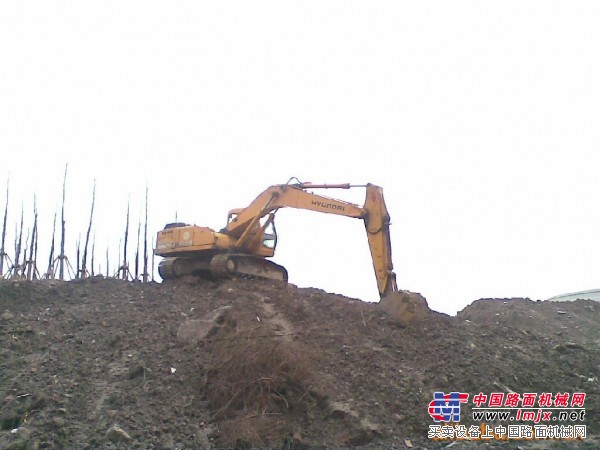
481, 121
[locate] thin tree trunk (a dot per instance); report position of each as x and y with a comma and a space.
31, 261
137, 252
124, 267
87, 236
36, 272
93, 253
119, 265
61, 262
78, 272
50, 272
23, 267
2, 252
145, 275
107, 264
18, 242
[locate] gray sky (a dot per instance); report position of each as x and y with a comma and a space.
481, 121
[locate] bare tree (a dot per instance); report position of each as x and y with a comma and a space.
62, 257
107, 264
84, 272
3, 254
23, 266
124, 267
31, 263
145, 274
77, 254
36, 272
118, 274
137, 252
93, 254
18, 242
50, 271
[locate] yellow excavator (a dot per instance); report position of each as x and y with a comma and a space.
249, 238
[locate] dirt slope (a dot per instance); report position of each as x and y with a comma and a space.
281, 367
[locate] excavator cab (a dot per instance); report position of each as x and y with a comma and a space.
264, 244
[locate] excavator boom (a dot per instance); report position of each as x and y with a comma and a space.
374, 213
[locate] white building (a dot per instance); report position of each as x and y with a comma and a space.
592, 294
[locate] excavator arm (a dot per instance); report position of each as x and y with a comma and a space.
245, 226
377, 224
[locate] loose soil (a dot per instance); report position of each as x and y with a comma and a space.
283, 367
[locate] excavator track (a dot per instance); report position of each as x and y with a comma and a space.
220, 266
177, 267
232, 264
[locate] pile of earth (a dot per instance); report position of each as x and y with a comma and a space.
104, 363
559, 322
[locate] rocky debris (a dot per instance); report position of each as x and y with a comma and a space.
568, 345
24, 433
7, 315
116, 434
194, 331
18, 439
342, 409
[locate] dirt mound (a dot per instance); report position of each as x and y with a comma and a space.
558, 321
98, 364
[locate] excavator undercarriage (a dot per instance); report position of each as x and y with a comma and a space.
223, 265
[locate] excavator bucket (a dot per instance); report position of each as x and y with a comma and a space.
404, 307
